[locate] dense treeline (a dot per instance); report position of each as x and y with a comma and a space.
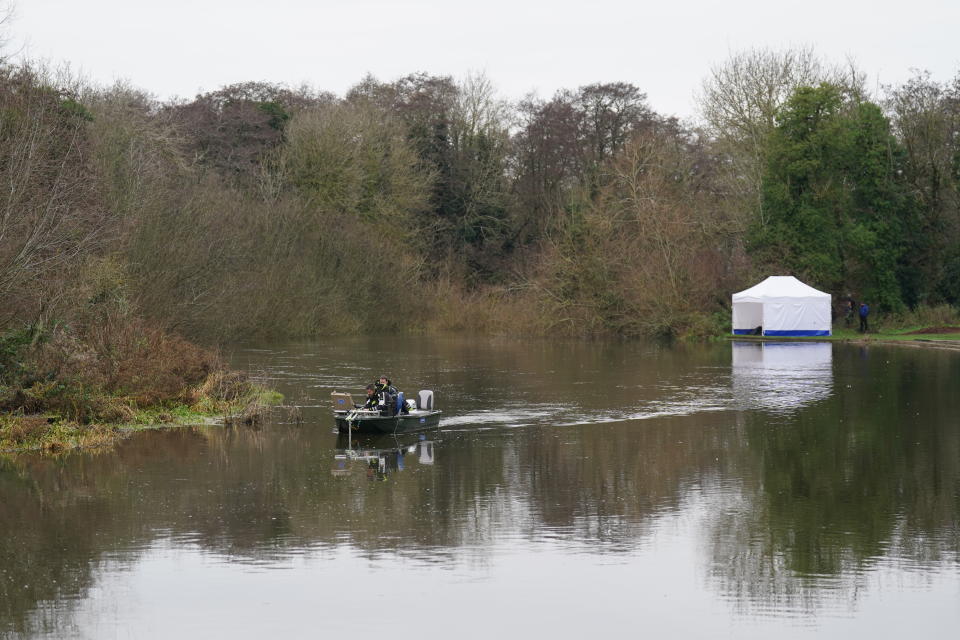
427, 203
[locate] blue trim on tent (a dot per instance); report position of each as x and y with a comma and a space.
797, 333
743, 332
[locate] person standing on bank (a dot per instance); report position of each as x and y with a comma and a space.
850, 305
864, 312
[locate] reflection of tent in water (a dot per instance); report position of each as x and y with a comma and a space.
781, 376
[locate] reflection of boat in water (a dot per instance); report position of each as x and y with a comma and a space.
781, 376
382, 454
417, 415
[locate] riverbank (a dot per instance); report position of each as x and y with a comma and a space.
224, 398
108, 373
929, 337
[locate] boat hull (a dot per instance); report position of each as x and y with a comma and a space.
414, 421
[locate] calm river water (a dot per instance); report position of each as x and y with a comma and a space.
574, 489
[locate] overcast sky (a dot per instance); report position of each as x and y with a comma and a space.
182, 47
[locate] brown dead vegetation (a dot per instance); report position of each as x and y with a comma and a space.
26, 428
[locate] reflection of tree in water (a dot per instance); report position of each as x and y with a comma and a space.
872, 473
58, 516
33, 531
802, 497
607, 492
256, 498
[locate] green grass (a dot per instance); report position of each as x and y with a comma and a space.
882, 334
51, 435
176, 414
268, 396
891, 334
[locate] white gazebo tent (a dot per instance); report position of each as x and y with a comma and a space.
782, 306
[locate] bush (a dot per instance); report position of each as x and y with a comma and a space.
704, 326
12, 345
943, 315
18, 430
104, 368
226, 386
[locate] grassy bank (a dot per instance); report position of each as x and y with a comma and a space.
108, 373
910, 334
944, 337
922, 325
224, 398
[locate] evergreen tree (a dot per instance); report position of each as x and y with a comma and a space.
836, 209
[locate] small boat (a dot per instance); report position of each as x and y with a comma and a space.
419, 415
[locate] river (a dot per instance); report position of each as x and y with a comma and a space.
574, 489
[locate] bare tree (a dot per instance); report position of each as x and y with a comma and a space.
610, 113
234, 128
660, 224
48, 213
352, 159
7, 14
478, 107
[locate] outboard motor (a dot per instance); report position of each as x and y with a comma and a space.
425, 400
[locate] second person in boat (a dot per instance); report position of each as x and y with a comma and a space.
388, 398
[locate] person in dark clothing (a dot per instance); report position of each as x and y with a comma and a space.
389, 393
864, 312
850, 307
388, 396
373, 398
384, 384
